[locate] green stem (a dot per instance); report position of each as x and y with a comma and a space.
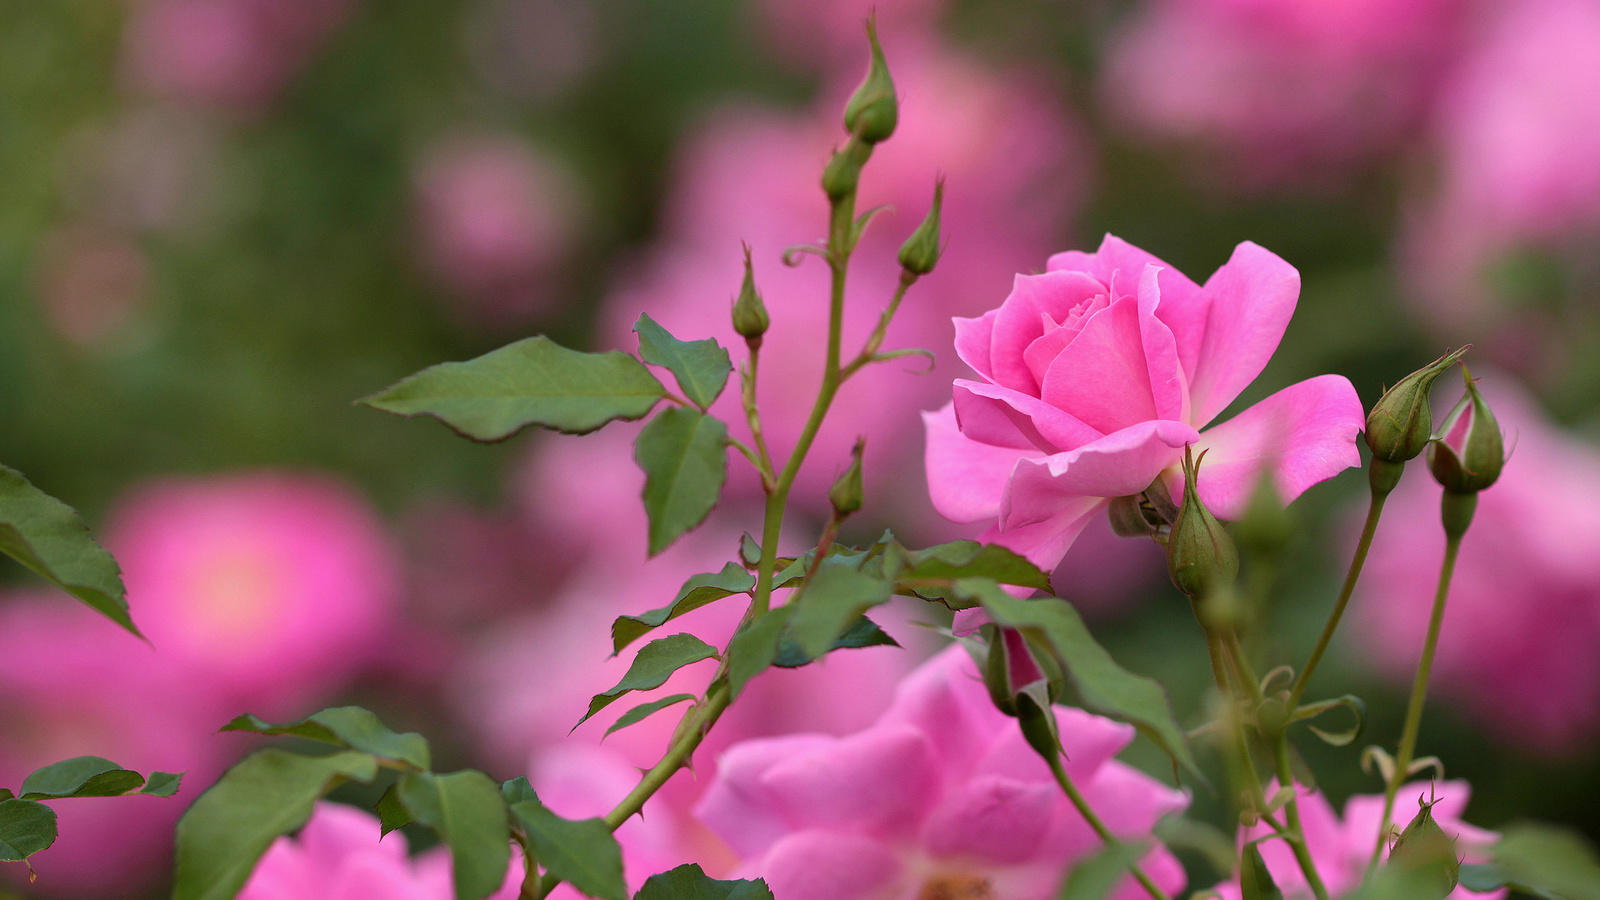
875, 341
1374, 510
752, 414
1295, 833
1081, 803
1419, 685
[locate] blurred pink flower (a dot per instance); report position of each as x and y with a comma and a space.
941, 796
234, 54
1095, 375
1518, 135
1340, 848
268, 589
1014, 168
496, 218
1281, 88
831, 34
339, 855
1523, 615
93, 284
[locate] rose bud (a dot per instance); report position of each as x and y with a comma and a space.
872, 111
843, 172
750, 317
845, 495
1400, 424
1201, 557
920, 253
1470, 452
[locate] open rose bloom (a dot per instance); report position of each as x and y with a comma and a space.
1092, 378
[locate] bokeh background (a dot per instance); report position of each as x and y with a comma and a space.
224, 220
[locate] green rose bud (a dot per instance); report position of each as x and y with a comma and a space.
843, 172
1470, 451
1201, 557
845, 495
1401, 424
873, 111
1426, 849
920, 253
750, 317
1015, 667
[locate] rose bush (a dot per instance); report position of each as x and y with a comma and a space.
1094, 375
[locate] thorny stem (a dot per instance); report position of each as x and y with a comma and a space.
1081, 803
1374, 510
841, 240
1419, 693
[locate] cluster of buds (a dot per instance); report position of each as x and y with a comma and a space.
1466, 457
1400, 425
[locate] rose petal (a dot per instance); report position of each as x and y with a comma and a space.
1018, 322
1305, 432
1102, 378
738, 806
945, 699
973, 340
965, 478
1184, 305
1007, 418
1252, 296
826, 865
1000, 820
1117, 465
880, 781
1043, 543
1168, 384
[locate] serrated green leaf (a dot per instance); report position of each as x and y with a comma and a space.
640, 712
517, 790
830, 601
81, 776
1095, 877
655, 663
5, 794
48, 537
392, 814
754, 647
863, 632
690, 882
271, 792
1101, 684
970, 559
701, 367
1340, 738
26, 827
583, 853
162, 784
684, 456
695, 593
534, 381
1539, 859
467, 811
348, 726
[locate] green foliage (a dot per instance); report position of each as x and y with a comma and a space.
698, 591
754, 648
26, 827
643, 710
1102, 686
91, 776
1255, 882
534, 381
966, 559
392, 813
271, 792
655, 663
347, 726
1538, 859
830, 602
48, 537
582, 853
1095, 877
1340, 738
467, 811
690, 882
517, 790
684, 456
863, 632
701, 367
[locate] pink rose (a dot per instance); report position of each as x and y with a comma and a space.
1095, 375
941, 797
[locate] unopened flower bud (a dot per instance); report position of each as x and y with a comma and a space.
1014, 667
1427, 849
1201, 557
1128, 518
843, 172
1470, 451
920, 253
872, 111
750, 317
845, 495
1400, 424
